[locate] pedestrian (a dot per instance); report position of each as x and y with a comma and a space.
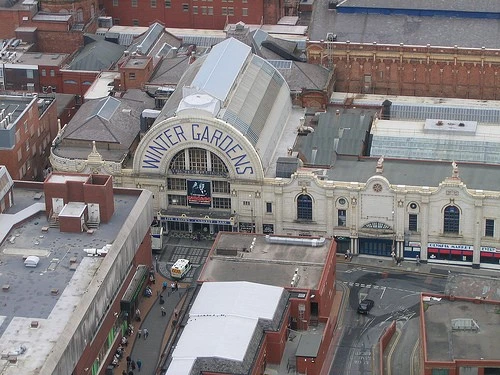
139, 332
128, 362
176, 314
163, 312
132, 365
139, 365
417, 259
124, 372
176, 286
164, 285
130, 373
146, 333
172, 287
138, 315
162, 301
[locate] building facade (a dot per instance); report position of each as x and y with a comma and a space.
28, 125
386, 69
237, 157
194, 14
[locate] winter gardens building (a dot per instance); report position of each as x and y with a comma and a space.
229, 152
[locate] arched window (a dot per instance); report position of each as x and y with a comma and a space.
451, 220
79, 15
304, 207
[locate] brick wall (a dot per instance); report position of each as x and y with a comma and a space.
59, 41
147, 11
410, 70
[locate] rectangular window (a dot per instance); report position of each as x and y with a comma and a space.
440, 371
135, 22
26, 126
341, 218
204, 10
19, 154
115, 3
412, 222
244, 12
244, 1
230, 11
27, 144
131, 76
195, 9
210, 11
168, 3
176, 184
246, 203
224, 203
224, 11
29, 73
52, 74
18, 135
220, 187
153, 3
489, 228
269, 207
185, 7
177, 200
116, 21
44, 72
134, 3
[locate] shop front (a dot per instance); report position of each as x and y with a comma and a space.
376, 246
450, 252
202, 224
490, 255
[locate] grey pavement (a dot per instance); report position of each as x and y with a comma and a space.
149, 350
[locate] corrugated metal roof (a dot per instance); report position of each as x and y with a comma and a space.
423, 112
221, 68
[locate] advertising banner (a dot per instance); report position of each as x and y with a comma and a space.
199, 193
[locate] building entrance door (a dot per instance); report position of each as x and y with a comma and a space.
375, 246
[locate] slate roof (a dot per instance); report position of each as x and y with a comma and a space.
304, 75
97, 56
107, 120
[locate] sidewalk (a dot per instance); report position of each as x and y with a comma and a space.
409, 265
149, 350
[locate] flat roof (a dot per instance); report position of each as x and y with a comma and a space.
48, 59
409, 30
50, 293
102, 85
447, 344
61, 178
14, 105
222, 322
453, 5
267, 263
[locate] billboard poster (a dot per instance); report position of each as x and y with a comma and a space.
199, 193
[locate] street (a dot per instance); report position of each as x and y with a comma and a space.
396, 297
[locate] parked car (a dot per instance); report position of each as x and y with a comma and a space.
365, 306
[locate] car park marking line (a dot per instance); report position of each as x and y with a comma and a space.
382, 295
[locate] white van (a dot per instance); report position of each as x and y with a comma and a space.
180, 268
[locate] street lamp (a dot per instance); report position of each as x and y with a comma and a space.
252, 229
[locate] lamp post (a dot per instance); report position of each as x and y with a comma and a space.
252, 229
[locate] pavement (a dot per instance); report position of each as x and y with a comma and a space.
149, 350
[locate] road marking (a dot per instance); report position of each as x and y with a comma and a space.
382, 295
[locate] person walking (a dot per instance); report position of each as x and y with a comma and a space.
417, 260
132, 365
138, 315
163, 312
129, 360
139, 365
145, 332
139, 332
